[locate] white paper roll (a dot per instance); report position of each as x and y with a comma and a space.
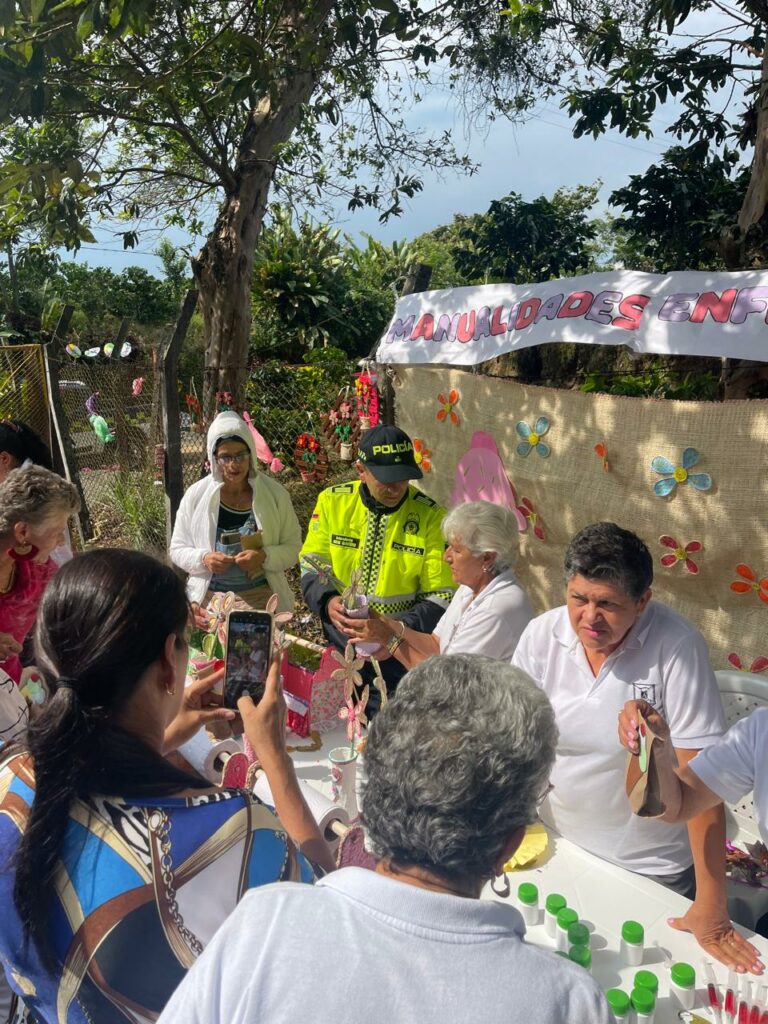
323, 811
204, 756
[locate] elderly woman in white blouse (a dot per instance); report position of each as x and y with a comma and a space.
490, 609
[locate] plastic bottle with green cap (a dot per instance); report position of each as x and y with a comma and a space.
578, 935
565, 919
581, 955
632, 938
682, 985
647, 979
553, 904
528, 902
618, 1000
644, 1004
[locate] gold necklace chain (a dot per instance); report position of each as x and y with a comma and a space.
161, 826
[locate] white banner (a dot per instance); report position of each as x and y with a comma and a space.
685, 313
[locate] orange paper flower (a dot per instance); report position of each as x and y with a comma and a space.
447, 406
602, 453
749, 582
422, 454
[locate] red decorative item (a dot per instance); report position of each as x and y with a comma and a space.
749, 582
758, 665
310, 458
680, 553
526, 509
366, 400
602, 453
341, 427
235, 772
447, 404
316, 690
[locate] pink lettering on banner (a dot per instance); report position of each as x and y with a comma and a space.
750, 300
401, 328
677, 308
600, 310
528, 310
483, 323
466, 327
498, 326
549, 310
424, 328
446, 327
576, 304
631, 308
718, 306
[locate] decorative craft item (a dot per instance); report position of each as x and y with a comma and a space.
263, 451
126, 349
136, 386
680, 553
211, 638
367, 399
92, 353
422, 455
99, 424
280, 620
194, 408
749, 867
72, 350
480, 476
758, 665
308, 676
526, 509
353, 713
108, 349
356, 606
679, 474
224, 401
535, 842
341, 426
343, 779
602, 453
32, 686
310, 458
379, 682
532, 438
749, 581
447, 411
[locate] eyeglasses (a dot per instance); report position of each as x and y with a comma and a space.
227, 460
545, 794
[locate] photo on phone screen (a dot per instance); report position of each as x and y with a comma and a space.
249, 643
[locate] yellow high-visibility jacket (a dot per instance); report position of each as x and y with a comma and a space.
400, 553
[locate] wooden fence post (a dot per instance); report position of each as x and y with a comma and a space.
64, 459
417, 280
168, 361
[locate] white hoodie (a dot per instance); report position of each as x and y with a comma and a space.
194, 533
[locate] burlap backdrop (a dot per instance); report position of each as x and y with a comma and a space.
570, 489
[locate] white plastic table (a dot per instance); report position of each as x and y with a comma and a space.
604, 897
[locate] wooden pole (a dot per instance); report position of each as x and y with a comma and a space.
168, 361
64, 459
121, 433
417, 280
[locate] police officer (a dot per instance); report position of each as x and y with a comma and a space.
388, 530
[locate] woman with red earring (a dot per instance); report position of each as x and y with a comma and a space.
35, 505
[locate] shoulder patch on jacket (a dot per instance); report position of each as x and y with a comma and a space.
424, 499
342, 489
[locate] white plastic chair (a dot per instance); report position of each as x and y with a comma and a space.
741, 693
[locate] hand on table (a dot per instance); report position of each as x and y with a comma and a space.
712, 929
251, 562
264, 723
217, 561
8, 646
199, 707
628, 722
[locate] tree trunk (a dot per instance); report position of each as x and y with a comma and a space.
223, 268
753, 207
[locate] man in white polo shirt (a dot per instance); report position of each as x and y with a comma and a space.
608, 644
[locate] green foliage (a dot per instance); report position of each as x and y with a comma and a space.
657, 382
139, 511
521, 241
304, 657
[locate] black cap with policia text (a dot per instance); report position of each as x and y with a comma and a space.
388, 453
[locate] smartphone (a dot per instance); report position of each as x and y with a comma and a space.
249, 646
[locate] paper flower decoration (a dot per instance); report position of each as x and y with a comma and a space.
525, 508
447, 404
349, 673
532, 438
749, 582
218, 608
422, 454
136, 387
602, 453
280, 620
535, 842
72, 350
354, 713
680, 553
680, 474
758, 665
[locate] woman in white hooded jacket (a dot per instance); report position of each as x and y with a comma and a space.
235, 498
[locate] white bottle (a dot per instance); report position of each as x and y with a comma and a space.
528, 902
632, 938
565, 919
682, 985
552, 907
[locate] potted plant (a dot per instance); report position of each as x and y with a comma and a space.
367, 398
344, 433
309, 458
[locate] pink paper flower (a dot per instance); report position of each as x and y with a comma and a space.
525, 508
349, 673
680, 553
354, 713
758, 665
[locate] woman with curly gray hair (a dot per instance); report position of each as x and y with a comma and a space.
456, 764
488, 612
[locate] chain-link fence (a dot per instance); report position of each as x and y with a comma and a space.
23, 391
112, 415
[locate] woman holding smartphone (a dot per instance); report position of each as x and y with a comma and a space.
236, 529
116, 867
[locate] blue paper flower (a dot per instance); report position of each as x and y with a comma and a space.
680, 474
532, 437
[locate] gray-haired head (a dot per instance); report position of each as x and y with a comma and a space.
604, 551
32, 494
484, 526
457, 760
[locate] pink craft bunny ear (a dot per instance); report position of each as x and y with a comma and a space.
272, 604
263, 452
